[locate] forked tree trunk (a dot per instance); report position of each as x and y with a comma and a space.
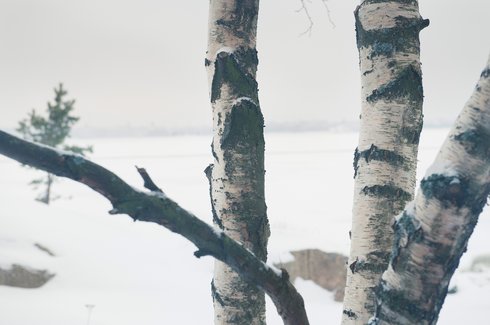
386, 158
237, 174
432, 233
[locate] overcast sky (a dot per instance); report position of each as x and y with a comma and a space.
141, 63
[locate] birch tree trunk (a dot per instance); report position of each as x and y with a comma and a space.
432, 233
386, 157
237, 174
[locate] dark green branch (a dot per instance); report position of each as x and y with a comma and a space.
158, 208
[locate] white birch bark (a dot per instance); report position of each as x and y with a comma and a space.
432, 233
386, 157
237, 174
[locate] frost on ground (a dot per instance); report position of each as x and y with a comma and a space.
140, 273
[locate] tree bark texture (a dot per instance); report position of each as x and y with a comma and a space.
432, 233
156, 207
237, 173
386, 157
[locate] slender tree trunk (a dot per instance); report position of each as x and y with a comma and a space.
237, 174
45, 197
386, 157
48, 189
432, 233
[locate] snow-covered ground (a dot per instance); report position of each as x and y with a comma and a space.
140, 273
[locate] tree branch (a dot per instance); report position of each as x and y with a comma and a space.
156, 207
148, 182
310, 20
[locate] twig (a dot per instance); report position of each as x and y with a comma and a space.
328, 13
307, 13
148, 182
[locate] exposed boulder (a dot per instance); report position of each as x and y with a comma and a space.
328, 270
24, 277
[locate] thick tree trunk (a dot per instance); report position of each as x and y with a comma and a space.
237, 174
386, 157
432, 233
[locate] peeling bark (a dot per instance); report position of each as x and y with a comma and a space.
156, 207
432, 233
237, 174
386, 157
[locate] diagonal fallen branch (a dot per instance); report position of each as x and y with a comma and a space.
156, 207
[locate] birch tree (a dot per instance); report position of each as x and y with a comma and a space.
432, 233
386, 157
237, 175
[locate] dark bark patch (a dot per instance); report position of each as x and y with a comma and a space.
404, 37
406, 229
242, 21
459, 192
411, 135
387, 191
352, 266
213, 152
476, 142
258, 231
215, 295
485, 73
349, 313
447, 189
367, 72
244, 125
376, 153
375, 262
216, 220
236, 74
399, 303
407, 84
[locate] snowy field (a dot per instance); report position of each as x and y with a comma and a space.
140, 273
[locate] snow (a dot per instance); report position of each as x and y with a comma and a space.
141, 273
241, 99
225, 49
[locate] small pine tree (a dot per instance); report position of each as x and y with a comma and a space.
51, 131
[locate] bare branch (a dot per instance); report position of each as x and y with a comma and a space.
158, 208
307, 13
328, 13
304, 8
148, 182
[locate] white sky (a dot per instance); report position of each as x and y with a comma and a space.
141, 63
